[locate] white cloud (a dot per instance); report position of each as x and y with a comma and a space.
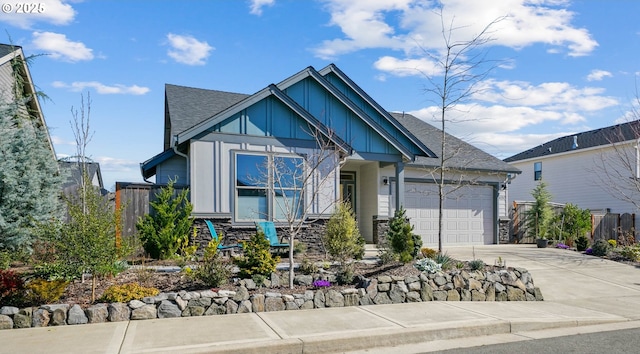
100, 88
413, 26
118, 170
560, 96
598, 75
188, 50
257, 5
57, 140
407, 67
59, 47
25, 13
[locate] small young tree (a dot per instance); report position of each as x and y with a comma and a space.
540, 215
87, 241
403, 241
256, 259
575, 222
166, 228
342, 238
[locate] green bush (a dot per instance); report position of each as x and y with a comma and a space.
601, 248
166, 228
342, 239
257, 258
401, 237
476, 264
214, 270
42, 291
308, 267
5, 259
582, 242
127, 292
56, 270
444, 260
631, 253
540, 215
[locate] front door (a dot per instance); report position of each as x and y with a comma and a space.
348, 189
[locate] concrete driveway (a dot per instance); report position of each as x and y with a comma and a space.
569, 277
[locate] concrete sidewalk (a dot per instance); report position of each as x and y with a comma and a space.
581, 293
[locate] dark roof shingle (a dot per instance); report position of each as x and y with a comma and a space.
592, 138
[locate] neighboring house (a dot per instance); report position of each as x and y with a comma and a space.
213, 141
13, 64
73, 172
589, 169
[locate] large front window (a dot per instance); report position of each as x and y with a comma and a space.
268, 187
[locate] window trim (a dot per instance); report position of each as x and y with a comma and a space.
537, 171
268, 187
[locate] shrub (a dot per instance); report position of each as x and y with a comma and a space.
5, 259
540, 215
127, 292
164, 230
257, 258
476, 264
213, 270
308, 267
600, 248
631, 253
613, 243
342, 239
445, 260
428, 265
42, 291
56, 270
428, 252
401, 237
582, 242
12, 288
346, 274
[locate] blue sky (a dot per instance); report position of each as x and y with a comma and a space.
565, 66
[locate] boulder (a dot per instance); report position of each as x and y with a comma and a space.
76, 316
257, 303
146, 312
8, 310
274, 304
41, 318
397, 294
245, 306
453, 295
97, 313
241, 294
426, 292
118, 312
440, 295
5, 322
382, 299
21, 320
58, 317
334, 298
168, 309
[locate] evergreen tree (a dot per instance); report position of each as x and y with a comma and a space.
540, 215
30, 182
342, 238
166, 228
401, 237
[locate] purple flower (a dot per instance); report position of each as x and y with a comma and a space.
588, 251
562, 245
321, 283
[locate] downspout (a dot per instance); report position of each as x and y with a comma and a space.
175, 149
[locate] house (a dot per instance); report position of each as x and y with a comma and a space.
13, 66
73, 172
215, 141
596, 170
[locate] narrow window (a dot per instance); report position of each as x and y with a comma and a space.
537, 171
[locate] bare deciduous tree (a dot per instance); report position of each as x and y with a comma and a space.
463, 65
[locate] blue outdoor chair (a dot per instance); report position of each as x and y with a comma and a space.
214, 236
269, 230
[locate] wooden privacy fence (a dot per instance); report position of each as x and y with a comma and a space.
608, 226
612, 226
136, 198
520, 233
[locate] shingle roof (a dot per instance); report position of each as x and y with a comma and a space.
74, 173
188, 106
7, 49
462, 155
592, 138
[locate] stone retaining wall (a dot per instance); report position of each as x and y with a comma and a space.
509, 284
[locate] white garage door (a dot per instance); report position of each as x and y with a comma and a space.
467, 218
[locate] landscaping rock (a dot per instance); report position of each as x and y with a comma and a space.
303, 279
257, 303
41, 318
5, 322
334, 299
465, 295
76, 316
453, 295
97, 313
318, 299
58, 317
241, 294
382, 299
8, 310
440, 295
245, 306
477, 295
274, 304
426, 292
135, 304
118, 312
397, 293
21, 321
145, 312
168, 309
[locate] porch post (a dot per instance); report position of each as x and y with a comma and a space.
399, 185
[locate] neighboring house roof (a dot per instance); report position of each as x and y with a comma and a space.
462, 156
73, 173
576, 142
188, 106
7, 54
